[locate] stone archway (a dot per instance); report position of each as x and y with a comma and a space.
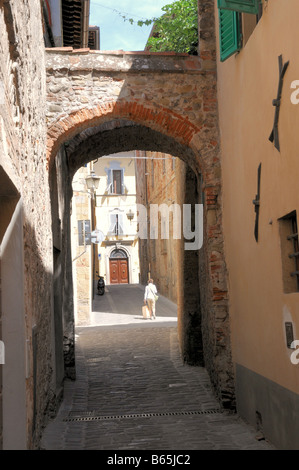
112, 125
158, 119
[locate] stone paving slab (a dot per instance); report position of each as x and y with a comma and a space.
134, 393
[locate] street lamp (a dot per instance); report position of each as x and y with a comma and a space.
92, 181
130, 215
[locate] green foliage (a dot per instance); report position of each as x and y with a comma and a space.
176, 30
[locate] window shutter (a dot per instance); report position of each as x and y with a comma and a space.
243, 6
120, 225
123, 188
109, 182
112, 228
116, 182
84, 234
81, 232
229, 33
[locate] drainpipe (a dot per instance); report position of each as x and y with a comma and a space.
48, 22
85, 23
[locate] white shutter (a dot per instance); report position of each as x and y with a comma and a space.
112, 228
123, 187
109, 182
120, 224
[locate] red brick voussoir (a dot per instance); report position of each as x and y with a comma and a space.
157, 118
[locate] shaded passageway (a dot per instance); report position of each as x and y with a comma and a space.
132, 391
146, 103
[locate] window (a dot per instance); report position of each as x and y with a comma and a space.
118, 253
84, 232
115, 182
242, 6
237, 20
229, 33
288, 230
116, 224
248, 25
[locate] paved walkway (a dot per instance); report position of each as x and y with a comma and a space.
134, 393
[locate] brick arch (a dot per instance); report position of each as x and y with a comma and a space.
157, 118
200, 140
89, 146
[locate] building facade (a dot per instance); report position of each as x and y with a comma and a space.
105, 238
116, 218
34, 297
66, 24
161, 179
82, 248
258, 72
240, 292
26, 248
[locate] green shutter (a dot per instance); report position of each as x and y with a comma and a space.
229, 33
243, 6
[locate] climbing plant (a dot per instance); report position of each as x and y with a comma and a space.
176, 30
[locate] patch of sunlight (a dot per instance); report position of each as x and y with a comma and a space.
110, 319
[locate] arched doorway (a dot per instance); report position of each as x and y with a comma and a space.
118, 267
205, 272
202, 300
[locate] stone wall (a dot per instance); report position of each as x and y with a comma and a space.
103, 103
84, 88
141, 198
61, 196
165, 177
23, 159
170, 103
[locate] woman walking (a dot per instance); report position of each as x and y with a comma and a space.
150, 296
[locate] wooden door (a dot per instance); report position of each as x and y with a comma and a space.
119, 271
123, 271
113, 271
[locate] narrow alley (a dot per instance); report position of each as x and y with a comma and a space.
132, 390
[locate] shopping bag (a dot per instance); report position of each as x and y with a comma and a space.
145, 312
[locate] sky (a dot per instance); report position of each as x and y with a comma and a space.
117, 34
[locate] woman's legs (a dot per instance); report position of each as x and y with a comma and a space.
152, 307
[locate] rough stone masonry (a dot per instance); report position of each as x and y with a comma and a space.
23, 162
173, 96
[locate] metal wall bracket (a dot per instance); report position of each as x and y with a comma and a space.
256, 203
274, 136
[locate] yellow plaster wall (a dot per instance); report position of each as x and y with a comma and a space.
247, 84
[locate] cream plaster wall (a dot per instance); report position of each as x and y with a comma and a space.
81, 255
107, 204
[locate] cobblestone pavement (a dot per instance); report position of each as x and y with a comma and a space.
133, 392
